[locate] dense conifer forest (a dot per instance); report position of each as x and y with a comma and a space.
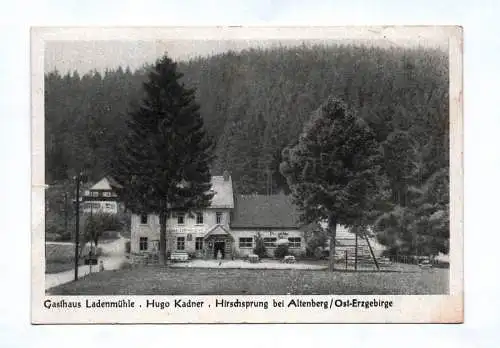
256, 102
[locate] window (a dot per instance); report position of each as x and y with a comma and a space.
109, 205
143, 243
218, 217
181, 243
86, 193
270, 242
144, 219
92, 206
180, 219
294, 242
199, 218
106, 194
199, 243
246, 242
95, 194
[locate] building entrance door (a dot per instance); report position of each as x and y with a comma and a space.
219, 246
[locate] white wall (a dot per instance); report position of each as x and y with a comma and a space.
278, 234
190, 228
108, 207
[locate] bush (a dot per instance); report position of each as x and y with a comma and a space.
281, 251
126, 265
260, 248
299, 254
66, 236
317, 240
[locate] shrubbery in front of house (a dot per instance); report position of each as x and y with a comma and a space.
316, 241
260, 248
281, 251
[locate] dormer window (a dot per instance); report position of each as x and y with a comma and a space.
180, 219
218, 217
199, 218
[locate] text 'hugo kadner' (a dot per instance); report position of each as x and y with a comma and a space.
178, 303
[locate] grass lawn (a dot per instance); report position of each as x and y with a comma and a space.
57, 266
156, 280
60, 257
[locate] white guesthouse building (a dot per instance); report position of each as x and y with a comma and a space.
229, 225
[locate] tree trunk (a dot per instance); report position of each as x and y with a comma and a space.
163, 237
332, 231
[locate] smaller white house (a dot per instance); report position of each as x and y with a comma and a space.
102, 197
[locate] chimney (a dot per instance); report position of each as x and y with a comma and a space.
226, 175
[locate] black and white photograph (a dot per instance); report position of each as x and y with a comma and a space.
247, 166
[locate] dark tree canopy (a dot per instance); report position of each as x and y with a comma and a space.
163, 162
98, 223
166, 153
334, 171
335, 167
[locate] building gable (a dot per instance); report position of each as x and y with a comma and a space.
102, 184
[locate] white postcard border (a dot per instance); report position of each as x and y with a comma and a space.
408, 308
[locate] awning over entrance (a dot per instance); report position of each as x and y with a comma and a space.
218, 231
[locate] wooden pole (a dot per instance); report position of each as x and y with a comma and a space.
77, 226
65, 211
345, 259
332, 229
356, 252
371, 252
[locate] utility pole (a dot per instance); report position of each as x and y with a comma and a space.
268, 182
65, 211
356, 251
91, 255
77, 220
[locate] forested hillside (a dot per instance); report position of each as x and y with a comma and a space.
256, 102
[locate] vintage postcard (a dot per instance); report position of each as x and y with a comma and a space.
247, 175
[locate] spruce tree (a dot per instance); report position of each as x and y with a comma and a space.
163, 162
333, 171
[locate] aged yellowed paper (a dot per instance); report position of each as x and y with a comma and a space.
247, 175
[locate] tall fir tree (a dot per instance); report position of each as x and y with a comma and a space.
334, 170
163, 162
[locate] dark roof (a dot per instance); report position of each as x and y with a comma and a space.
275, 211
